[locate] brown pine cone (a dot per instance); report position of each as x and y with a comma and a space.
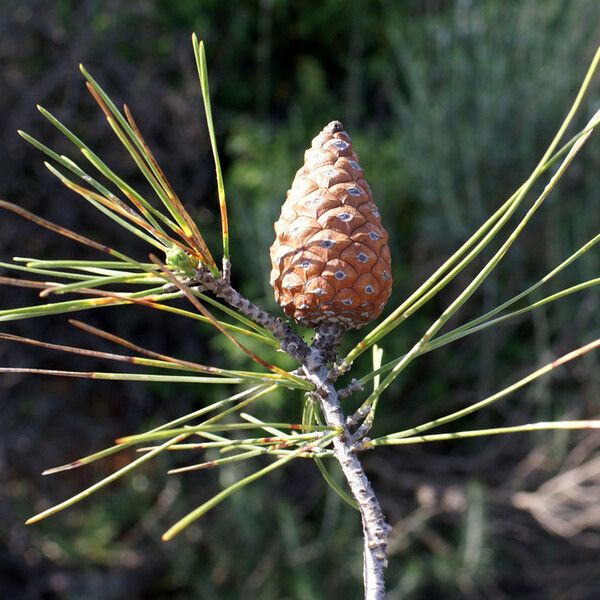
330, 259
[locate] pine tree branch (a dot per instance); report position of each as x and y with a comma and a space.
290, 342
316, 361
375, 527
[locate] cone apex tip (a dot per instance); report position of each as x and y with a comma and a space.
333, 127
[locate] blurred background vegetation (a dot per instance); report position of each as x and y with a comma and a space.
450, 104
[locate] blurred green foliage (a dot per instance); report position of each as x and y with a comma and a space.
449, 104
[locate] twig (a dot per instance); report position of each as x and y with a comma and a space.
319, 368
291, 343
375, 527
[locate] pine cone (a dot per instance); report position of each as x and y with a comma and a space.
330, 259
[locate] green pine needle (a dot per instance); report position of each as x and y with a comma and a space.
200, 57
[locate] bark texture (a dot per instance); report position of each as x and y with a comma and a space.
375, 527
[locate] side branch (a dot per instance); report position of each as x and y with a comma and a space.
291, 342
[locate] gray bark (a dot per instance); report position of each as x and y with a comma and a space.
375, 527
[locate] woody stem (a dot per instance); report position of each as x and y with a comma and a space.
291, 343
375, 527
314, 361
